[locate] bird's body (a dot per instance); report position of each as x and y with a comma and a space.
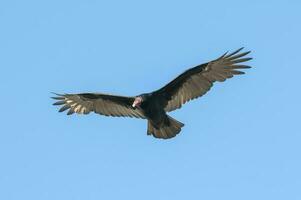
154, 106
160, 125
152, 109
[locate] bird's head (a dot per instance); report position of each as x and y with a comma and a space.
137, 102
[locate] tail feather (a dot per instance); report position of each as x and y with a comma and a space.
169, 129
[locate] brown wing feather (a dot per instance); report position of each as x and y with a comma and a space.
104, 104
198, 80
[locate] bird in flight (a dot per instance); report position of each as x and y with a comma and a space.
153, 106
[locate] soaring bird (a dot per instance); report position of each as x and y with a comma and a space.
153, 106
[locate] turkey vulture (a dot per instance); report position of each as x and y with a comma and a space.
153, 106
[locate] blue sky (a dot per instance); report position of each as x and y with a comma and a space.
241, 140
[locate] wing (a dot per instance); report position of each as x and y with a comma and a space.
104, 104
196, 81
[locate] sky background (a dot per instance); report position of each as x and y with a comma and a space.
241, 140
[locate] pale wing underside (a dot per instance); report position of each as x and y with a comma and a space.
108, 105
196, 81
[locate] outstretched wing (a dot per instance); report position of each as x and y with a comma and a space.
196, 81
104, 104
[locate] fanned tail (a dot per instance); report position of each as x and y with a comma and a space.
169, 129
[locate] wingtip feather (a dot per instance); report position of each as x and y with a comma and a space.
59, 103
234, 52
65, 107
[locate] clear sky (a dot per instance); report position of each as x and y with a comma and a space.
240, 141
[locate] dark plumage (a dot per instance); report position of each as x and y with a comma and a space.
153, 106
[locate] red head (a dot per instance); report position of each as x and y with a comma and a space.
137, 102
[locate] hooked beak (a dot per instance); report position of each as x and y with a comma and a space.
137, 102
